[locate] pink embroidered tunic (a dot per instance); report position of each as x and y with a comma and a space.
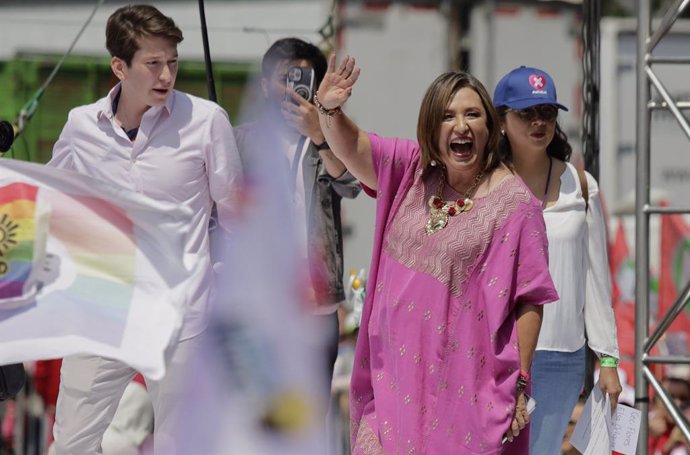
437, 359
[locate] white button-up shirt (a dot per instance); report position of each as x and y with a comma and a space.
184, 153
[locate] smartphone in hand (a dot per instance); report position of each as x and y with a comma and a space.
301, 80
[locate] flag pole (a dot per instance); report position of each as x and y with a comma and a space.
207, 55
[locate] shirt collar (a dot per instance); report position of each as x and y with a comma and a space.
105, 105
170, 102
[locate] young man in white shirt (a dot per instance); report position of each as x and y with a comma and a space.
170, 146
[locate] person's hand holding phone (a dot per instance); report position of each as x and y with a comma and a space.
302, 116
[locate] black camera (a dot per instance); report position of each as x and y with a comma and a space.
301, 80
6, 135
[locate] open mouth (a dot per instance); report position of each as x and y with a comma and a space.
160, 91
462, 147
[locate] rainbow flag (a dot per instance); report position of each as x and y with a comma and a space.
17, 235
87, 267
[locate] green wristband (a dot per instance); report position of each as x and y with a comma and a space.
608, 362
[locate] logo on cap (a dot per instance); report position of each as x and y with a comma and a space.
537, 82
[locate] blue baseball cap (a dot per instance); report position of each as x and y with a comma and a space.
526, 87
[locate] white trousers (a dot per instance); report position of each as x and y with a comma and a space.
132, 424
91, 388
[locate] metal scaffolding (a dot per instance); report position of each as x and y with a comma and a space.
647, 41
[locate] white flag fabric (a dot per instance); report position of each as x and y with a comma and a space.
87, 267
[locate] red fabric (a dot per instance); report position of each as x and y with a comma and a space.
656, 445
675, 246
7, 426
47, 383
624, 307
624, 310
618, 254
47, 380
140, 379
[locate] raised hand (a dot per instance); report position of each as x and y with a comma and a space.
302, 116
336, 86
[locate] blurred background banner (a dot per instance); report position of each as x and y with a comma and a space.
673, 277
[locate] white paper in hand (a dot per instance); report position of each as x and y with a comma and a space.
626, 429
591, 433
597, 432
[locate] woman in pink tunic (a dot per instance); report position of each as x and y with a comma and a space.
459, 272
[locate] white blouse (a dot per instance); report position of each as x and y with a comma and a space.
578, 264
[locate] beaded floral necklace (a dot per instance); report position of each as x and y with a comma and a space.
441, 210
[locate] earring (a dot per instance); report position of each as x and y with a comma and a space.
433, 163
503, 132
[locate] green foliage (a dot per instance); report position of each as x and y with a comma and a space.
85, 80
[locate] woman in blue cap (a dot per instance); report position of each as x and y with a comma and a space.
539, 151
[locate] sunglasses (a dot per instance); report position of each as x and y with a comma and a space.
545, 112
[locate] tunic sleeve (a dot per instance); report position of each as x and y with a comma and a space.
391, 158
516, 269
532, 280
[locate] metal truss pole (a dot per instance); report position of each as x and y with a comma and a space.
591, 84
642, 196
644, 343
